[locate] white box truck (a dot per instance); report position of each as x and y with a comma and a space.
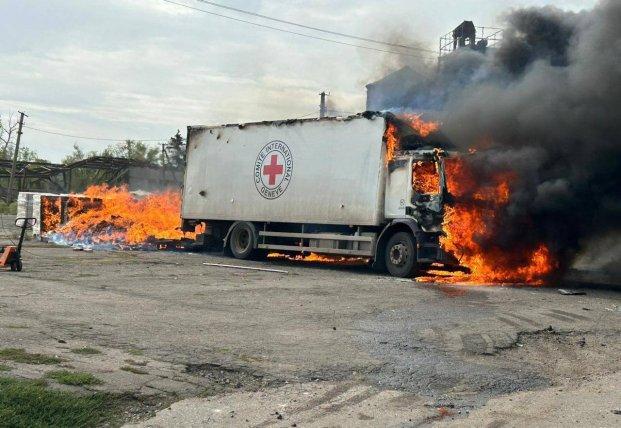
318, 185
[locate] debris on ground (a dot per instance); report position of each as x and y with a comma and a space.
224, 265
566, 292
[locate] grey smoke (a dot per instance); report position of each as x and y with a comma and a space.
547, 104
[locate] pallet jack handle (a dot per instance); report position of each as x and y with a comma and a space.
24, 223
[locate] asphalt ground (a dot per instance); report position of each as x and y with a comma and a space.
315, 346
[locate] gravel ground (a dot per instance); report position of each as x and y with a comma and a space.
320, 345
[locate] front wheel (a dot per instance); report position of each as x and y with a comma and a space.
400, 255
241, 241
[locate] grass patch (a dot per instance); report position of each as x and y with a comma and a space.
135, 352
21, 356
4, 368
135, 370
73, 378
28, 403
86, 351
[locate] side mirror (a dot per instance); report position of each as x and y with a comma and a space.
25, 222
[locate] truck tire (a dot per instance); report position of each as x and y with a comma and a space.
241, 241
400, 255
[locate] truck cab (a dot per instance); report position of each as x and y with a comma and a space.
414, 202
415, 188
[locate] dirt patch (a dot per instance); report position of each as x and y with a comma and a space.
565, 356
222, 379
134, 408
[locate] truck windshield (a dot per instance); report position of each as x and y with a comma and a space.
425, 177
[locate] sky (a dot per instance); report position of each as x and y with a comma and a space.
141, 69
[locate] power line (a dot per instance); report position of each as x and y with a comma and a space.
91, 138
308, 27
292, 32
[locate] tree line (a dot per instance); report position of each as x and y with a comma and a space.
171, 155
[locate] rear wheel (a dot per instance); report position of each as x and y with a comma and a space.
400, 255
241, 240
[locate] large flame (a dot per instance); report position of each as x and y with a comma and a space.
414, 121
51, 206
421, 127
426, 178
390, 136
471, 221
115, 216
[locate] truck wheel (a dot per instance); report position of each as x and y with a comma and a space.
241, 241
401, 255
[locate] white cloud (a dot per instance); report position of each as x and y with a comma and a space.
160, 6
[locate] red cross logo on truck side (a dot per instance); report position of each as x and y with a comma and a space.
273, 169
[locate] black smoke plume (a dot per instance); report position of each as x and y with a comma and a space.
547, 105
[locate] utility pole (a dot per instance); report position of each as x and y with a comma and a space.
163, 162
323, 108
15, 154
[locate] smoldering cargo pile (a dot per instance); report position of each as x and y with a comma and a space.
107, 218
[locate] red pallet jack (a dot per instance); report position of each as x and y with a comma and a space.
11, 255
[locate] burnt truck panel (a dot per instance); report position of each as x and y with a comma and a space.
317, 185
315, 171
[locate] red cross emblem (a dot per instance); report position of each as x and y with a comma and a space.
273, 169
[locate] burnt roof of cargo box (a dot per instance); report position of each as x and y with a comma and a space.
366, 115
410, 141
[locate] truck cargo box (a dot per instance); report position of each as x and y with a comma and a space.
320, 171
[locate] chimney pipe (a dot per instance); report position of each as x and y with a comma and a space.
323, 108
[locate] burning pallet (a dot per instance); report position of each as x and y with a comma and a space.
52, 210
108, 218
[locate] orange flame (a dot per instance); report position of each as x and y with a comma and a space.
425, 178
421, 127
390, 136
51, 206
119, 217
472, 219
320, 258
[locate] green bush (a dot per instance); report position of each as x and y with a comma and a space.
8, 208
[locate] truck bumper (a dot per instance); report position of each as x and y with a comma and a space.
430, 251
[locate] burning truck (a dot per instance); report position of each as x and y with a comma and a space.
367, 185
372, 187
